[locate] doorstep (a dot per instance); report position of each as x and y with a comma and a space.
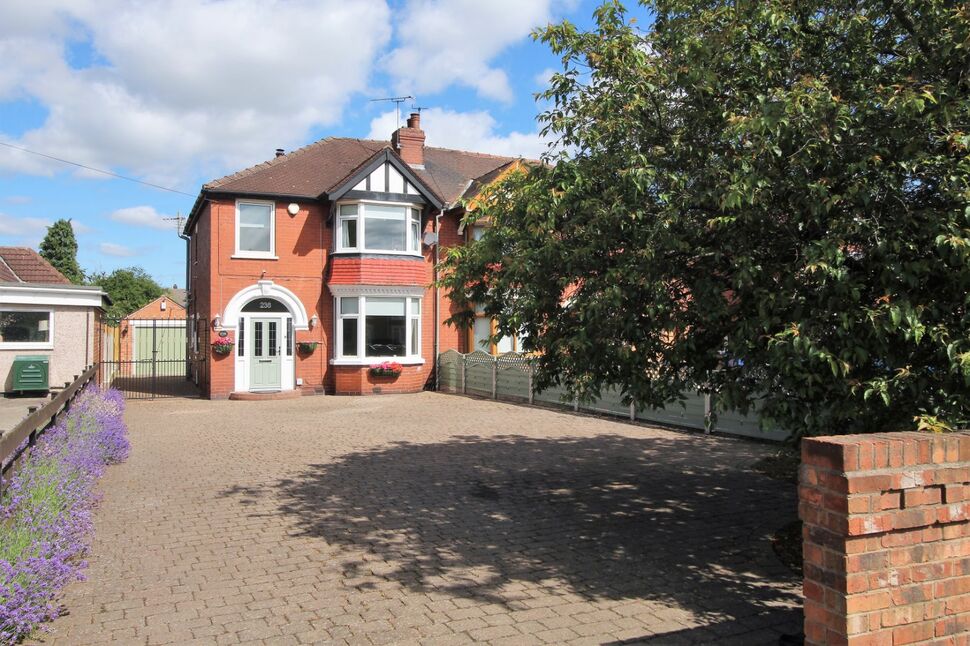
264, 396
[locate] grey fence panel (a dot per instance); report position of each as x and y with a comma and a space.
690, 414
449, 371
513, 382
554, 395
749, 425
608, 402
478, 374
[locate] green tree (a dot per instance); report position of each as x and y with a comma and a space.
129, 289
59, 248
767, 200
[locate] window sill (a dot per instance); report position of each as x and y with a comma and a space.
14, 345
375, 252
369, 361
253, 256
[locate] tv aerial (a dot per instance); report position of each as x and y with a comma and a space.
397, 101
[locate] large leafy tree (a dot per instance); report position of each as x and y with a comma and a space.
59, 248
129, 289
765, 200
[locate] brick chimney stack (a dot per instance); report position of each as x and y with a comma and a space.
409, 141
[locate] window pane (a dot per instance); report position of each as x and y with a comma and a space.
348, 209
271, 346
349, 348
415, 236
348, 239
384, 233
385, 212
349, 305
415, 306
385, 336
482, 330
504, 345
257, 339
381, 306
289, 337
241, 338
254, 227
24, 327
415, 336
477, 233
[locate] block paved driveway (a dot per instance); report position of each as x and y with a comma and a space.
428, 518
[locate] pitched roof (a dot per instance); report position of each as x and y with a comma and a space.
316, 169
24, 265
178, 296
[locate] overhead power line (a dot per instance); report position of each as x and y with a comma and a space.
96, 170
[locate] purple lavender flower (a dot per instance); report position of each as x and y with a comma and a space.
46, 510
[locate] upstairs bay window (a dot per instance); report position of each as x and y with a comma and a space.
255, 229
371, 328
379, 228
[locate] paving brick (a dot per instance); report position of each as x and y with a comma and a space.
425, 519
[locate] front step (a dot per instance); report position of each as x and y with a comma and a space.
264, 396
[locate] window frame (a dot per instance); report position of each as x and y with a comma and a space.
30, 345
412, 317
412, 244
242, 253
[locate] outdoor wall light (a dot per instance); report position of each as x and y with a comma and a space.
217, 320
293, 208
313, 321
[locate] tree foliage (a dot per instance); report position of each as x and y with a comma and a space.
129, 289
59, 248
766, 200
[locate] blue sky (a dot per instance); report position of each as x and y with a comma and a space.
178, 92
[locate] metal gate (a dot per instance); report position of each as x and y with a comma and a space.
152, 358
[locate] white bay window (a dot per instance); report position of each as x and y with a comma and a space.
376, 327
378, 227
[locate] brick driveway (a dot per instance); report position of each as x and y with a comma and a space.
428, 519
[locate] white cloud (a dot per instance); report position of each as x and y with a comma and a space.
453, 41
473, 131
80, 228
116, 250
142, 216
542, 78
22, 227
18, 199
180, 87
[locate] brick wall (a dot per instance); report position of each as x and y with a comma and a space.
886, 538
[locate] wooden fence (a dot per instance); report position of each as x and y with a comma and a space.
509, 377
12, 442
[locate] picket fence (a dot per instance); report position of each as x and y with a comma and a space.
509, 377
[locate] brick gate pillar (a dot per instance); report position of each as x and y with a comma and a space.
886, 538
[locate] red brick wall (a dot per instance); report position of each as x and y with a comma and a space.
886, 538
355, 380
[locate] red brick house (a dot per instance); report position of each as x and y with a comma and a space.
334, 243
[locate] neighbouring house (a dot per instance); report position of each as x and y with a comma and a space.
318, 264
43, 314
153, 337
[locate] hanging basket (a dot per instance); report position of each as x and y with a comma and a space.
307, 347
222, 349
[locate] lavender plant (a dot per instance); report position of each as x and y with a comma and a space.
46, 511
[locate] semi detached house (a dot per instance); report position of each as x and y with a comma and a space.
333, 244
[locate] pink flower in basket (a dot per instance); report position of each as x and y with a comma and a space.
386, 369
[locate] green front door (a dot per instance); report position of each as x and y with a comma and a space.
264, 371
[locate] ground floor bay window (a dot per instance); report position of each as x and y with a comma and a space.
377, 325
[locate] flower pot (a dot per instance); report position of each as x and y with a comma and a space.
307, 347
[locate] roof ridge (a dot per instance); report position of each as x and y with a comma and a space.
507, 158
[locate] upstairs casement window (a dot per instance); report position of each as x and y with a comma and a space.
371, 328
376, 227
255, 229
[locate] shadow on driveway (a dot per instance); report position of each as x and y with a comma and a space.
670, 520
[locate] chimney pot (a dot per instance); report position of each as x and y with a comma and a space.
279, 152
414, 121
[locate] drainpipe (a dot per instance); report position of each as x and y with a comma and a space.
437, 296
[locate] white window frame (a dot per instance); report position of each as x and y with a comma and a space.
412, 317
271, 254
412, 245
30, 345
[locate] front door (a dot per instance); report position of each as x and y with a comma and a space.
266, 338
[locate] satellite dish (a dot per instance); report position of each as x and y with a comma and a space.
430, 239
